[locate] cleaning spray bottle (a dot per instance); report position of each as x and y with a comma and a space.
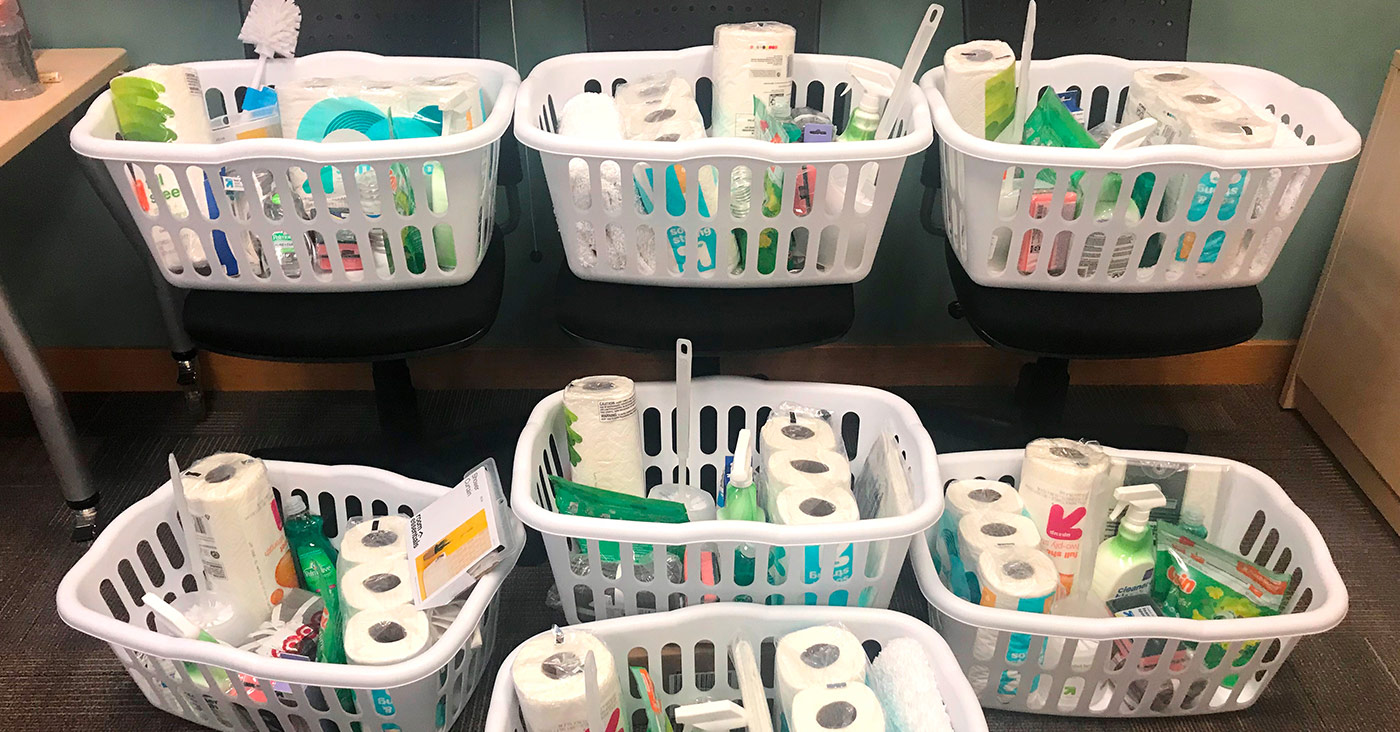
1124, 564
874, 87
739, 502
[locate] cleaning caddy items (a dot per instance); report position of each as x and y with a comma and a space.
1124, 564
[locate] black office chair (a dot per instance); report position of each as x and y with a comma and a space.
383, 328
1052, 327
717, 320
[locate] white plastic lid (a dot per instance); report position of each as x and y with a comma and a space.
294, 505
741, 471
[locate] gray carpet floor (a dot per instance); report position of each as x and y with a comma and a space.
54, 678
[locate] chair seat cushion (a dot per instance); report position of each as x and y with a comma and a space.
1080, 325
716, 320
348, 326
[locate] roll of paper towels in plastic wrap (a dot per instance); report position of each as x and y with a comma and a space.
382, 637
795, 432
979, 85
375, 539
377, 585
750, 60
549, 682
235, 522
848, 707
605, 434
1059, 479
158, 103
815, 657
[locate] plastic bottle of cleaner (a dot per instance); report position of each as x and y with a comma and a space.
740, 503
874, 88
304, 532
1124, 564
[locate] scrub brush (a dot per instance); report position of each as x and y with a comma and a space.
271, 28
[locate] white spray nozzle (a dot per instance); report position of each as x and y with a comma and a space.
741, 471
873, 85
1138, 501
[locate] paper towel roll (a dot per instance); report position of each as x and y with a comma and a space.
377, 585
813, 505
549, 682
1058, 479
986, 530
979, 84
605, 434
375, 539
962, 498
848, 707
750, 60
382, 637
158, 103
795, 432
903, 678
241, 546
817, 656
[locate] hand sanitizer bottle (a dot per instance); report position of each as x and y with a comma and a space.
1124, 564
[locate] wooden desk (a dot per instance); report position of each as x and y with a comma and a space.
1346, 374
83, 71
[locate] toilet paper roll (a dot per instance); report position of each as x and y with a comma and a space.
592, 116
815, 657
375, 539
821, 468
659, 107
849, 707
295, 98
605, 434
750, 60
962, 498
986, 530
377, 585
979, 84
812, 505
235, 523
795, 432
549, 682
1058, 479
457, 96
158, 103
382, 637
1015, 579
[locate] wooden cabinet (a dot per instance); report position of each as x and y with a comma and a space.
1345, 378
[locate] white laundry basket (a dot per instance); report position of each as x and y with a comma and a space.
143, 551
160, 180
1096, 244
611, 238
1070, 667
722, 406
682, 651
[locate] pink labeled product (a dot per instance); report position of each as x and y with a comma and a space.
1058, 480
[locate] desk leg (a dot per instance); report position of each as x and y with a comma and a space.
51, 417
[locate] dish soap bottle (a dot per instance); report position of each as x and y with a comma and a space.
874, 87
1124, 564
305, 531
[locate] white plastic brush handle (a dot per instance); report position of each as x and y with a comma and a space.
260, 74
182, 508
1023, 87
683, 357
712, 716
591, 695
932, 18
